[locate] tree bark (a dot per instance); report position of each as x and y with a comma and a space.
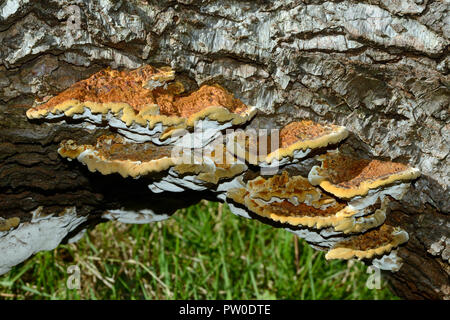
379, 68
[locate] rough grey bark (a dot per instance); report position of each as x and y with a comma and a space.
378, 67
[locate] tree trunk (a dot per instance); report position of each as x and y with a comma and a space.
379, 68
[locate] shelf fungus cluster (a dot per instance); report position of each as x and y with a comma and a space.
153, 130
346, 227
177, 142
146, 104
289, 145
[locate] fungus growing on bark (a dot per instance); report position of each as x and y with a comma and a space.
292, 143
361, 223
107, 90
204, 171
367, 245
8, 224
372, 208
166, 135
211, 171
323, 220
306, 134
346, 177
210, 101
144, 106
390, 261
291, 200
112, 154
42, 232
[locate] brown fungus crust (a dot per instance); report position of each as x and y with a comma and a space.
206, 96
114, 86
224, 167
126, 94
276, 210
346, 177
304, 131
8, 224
367, 245
114, 148
112, 155
291, 200
298, 135
307, 134
284, 186
363, 223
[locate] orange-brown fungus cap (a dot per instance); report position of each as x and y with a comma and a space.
224, 166
347, 177
114, 148
8, 224
299, 135
126, 94
113, 86
372, 243
206, 96
112, 155
284, 186
307, 130
290, 200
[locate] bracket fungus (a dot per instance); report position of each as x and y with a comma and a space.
205, 171
8, 224
290, 200
376, 242
347, 228
294, 201
112, 154
170, 168
347, 177
145, 105
27, 238
292, 143
339, 206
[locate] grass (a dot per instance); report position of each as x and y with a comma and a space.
202, 252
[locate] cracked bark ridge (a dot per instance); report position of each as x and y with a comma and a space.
379, 68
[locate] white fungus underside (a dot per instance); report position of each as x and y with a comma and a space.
295, 158
172, 183
396, 191
204, 131
175, 182
134, 216
323, 238
41, 233
390, 262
